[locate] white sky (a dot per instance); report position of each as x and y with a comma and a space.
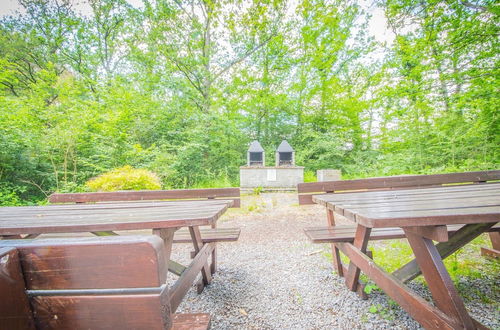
377, 27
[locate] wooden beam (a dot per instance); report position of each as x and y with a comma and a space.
435, 233
462, 237
360, 242
337, 263
487, 252
438, 279
182, 285
495, 240
422, 311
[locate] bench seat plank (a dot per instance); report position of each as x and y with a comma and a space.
197, 321
209, 235
346, 233
145, 195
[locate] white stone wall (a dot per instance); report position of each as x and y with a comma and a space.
271, 177
328, 175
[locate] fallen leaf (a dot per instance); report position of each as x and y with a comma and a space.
243, 312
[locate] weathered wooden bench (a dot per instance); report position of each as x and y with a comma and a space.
149, 195
88, 283
346, 233
207, 235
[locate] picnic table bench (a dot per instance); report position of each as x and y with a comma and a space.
421, 209
207, 235
103, 214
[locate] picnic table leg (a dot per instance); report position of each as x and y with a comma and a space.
337, 263
443, 291
167, 235
198, 244
213, 265
360, 242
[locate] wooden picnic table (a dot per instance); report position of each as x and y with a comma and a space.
423, 215
162, 217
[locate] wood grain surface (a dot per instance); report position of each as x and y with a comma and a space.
418, 207
109, 216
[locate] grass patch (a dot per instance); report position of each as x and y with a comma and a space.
464, 266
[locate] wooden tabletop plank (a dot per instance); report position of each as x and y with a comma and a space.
113, 205
418, 207
116, 216
426, 193
75, 214
414, 198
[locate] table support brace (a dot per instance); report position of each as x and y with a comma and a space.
443, 291
462, 237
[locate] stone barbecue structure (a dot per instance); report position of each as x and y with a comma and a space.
285, 174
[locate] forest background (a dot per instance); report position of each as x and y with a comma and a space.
182, 87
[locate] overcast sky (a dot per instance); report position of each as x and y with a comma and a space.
377, 27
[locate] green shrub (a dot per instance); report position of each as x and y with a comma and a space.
9, 197
309, 176
125, 178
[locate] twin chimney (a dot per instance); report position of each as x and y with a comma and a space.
285, 155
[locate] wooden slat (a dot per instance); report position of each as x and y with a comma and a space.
433, 206
411, 195
210, 235
198, 321
398, 181
15, 311
492, 253
422, 311
144, 195
111, 206
444, 293
137, 311
435, 233
361, 239
345, 233
431, 217
96, 262
197, 245
54, 220
495, 240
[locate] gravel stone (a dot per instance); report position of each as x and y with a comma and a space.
274, 278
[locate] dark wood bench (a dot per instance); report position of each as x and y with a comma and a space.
213, 234
88, 283
333, 233
345, 233
208, 235
149, 195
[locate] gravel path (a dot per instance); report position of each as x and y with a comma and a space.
274, 278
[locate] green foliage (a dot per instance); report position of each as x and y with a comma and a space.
256, 191
309, 176
182, 89
125, 178
9, 197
